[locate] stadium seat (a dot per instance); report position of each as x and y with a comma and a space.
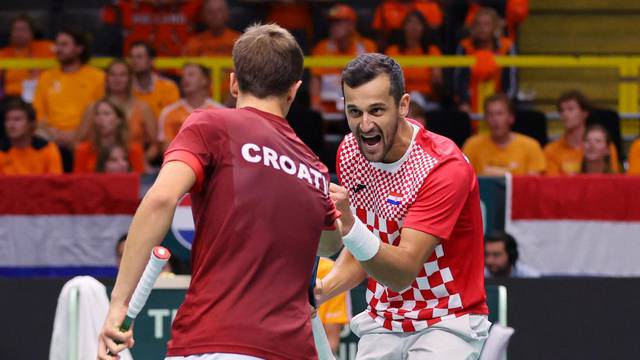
456, 125
532, 123
611, 121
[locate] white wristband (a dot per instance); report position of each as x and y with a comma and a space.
361, 242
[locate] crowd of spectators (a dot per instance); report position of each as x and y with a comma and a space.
122, 117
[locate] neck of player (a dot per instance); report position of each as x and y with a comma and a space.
272, 105
400, 143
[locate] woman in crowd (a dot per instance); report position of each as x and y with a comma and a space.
113, 159
485, 41
143, 127
596, 156
416, 40
108, 128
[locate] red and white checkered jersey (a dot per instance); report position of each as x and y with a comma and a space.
432, 189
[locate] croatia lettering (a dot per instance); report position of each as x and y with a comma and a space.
266, 156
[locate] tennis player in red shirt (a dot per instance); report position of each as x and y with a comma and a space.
261, 207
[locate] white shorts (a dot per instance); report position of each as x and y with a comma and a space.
216, 356
461, 338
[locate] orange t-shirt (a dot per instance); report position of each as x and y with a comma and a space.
173, 116
13, 78
85, 158
516, 12
207, 44
292, 16
634, 158
42, 157
416, 78
137, 128
163, 92
61, 98
390, 14
165, 27
562, 159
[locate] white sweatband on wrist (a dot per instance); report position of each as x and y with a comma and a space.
361, 242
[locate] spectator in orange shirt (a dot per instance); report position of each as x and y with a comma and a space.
196, 81
390, 15
294, 16
634, 158
515, 11
166, 24
486, 39
24, 153
21, 82
113, 159
325, 88
415, 41
109, 128
148, 85
565, 155
143, 126
217, 39
597, 156
63, 93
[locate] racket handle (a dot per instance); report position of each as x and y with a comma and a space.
159, 257
320, 339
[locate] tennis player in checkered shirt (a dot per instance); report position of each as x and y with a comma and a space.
262, 212
411, 220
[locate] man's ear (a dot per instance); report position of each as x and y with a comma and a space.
233, 85
403, 106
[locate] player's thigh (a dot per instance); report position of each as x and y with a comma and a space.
380, 347
441, 344
217, 356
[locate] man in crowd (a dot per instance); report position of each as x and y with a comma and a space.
502, 150
411, 220
24, 153
564, 156
217, 39
63, 93
149, 86
344, 40
196, 84
21, 82
501, 257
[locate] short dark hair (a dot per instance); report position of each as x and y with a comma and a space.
500, 98
206, 72
267, 60
80, 38
151, 52
366, 67
19, 104
575, 95
510, 244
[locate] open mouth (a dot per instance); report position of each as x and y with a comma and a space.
371, 140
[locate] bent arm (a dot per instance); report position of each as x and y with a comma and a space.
346, 274
330, 241
149, 226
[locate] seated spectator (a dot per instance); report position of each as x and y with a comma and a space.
64, 93
109, 128
416, 40
143, 127
390, 15
24, 153
294, 16
564, 156
113, 159
597, 156
502, 150
22, 82
325, 88
217, 39
165, 24
148, 85
634, 158
195, 83
515, 11
334, 313
485, 41
501, 258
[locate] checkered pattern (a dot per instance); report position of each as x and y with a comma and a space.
432, 297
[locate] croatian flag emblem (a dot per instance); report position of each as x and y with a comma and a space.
394, 198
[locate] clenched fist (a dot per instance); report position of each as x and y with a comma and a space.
340, 197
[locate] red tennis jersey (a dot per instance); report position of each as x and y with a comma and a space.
260, 204
432, 189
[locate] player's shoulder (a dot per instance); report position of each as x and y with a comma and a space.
438, 146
